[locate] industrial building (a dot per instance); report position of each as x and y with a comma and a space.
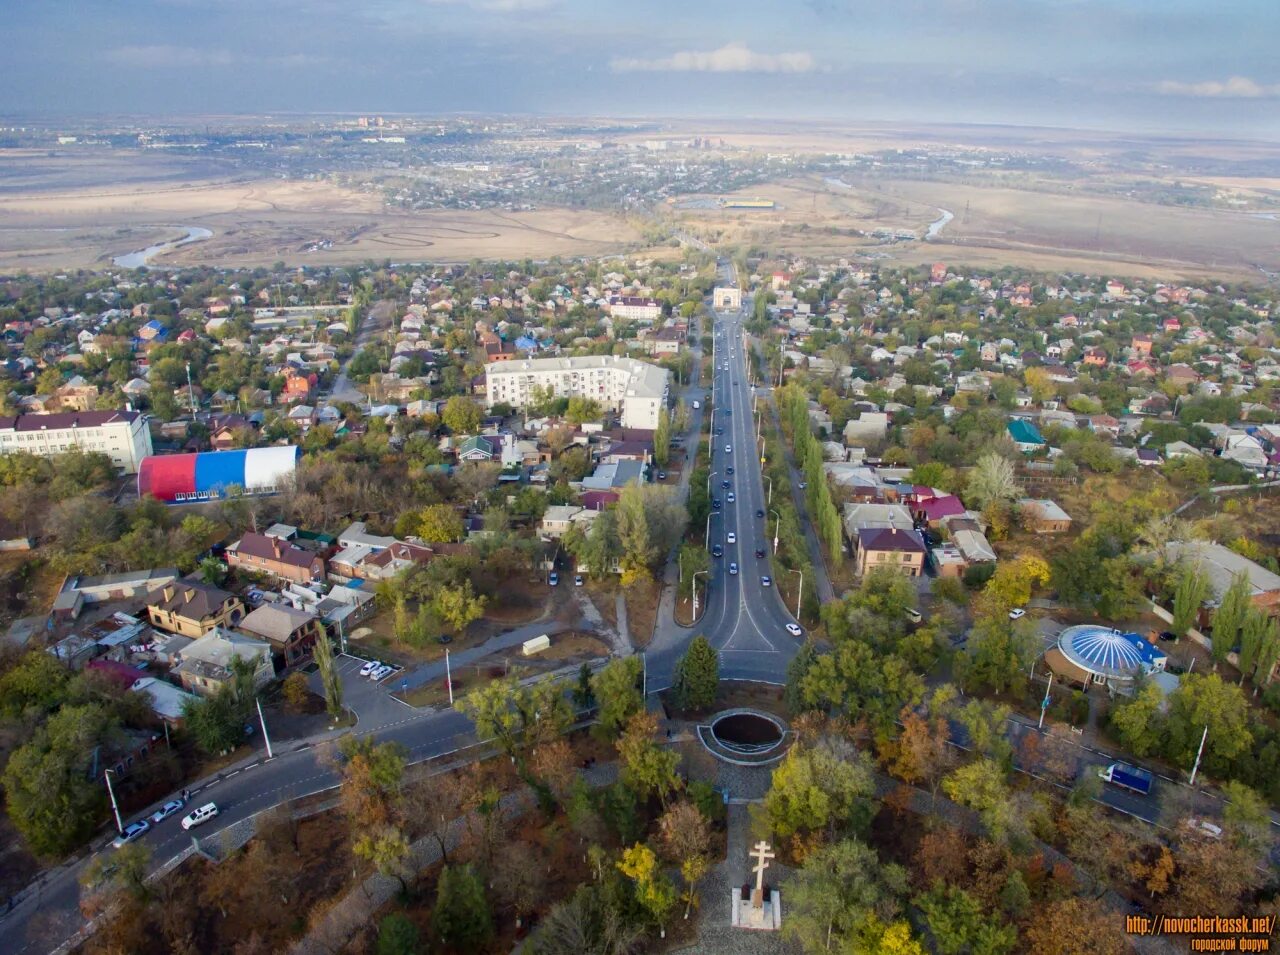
635, 389
181, 478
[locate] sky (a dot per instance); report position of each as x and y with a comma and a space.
1177, 66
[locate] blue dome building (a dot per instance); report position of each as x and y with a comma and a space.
1090, 654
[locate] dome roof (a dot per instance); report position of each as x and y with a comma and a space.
1109, 652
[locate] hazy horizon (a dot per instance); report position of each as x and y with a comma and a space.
1175, 67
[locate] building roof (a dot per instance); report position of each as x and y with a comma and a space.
192, 599
211, 655
273, 548
276, 622
864, 516
1220, 565
167, 700
1048, 510
1024, 432
1110, 653
646, 380
67, 419
890, 539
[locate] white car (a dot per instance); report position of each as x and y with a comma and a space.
135, 830
731, 498
383, 672
732, 538
167, 810
1017, 613
728, 449
369, 667
198, 817
794, 630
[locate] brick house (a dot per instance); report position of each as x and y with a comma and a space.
291, 633
193, 608
899, 550
1043, 516
279, 558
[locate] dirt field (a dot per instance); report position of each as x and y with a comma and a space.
261, 222
998, 226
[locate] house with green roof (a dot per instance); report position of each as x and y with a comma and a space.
1026, 436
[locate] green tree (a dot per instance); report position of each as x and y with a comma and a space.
461, 415
386, 848
461, 920
216, 722
992, 482
1206, 700
580, 410
1140, 722
398, 935
662, 439
998, 654
821, 788
651, 521
697, 676
458, 606
617, 689
840, 895
330, 679
1229, 618
1257, 631
958, 923
692, 560
33, 686
654, 891
648, 769
982, 787
1192, 589
440, 523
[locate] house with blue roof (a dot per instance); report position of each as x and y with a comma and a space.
1026, 436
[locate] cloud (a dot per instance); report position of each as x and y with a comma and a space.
169, 57
498, 6
1235, 87
730, 58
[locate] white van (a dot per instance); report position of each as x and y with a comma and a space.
198, 817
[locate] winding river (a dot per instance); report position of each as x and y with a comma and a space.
938, 224
140, 259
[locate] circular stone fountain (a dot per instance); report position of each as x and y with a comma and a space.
745, 737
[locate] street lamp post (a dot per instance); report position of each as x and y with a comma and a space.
777, 529
266, 737
706, 535
769, 499
115, 808
709, 477
799, 591
1044, 704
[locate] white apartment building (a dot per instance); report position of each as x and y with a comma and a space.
122, 435
635, 309
636, 389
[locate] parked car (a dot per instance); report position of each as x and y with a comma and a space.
662, 475
443, 639
369, 667
914, 615
803, 484
167, 810
135, 830
554, 579
199, 817
1017, 613
794, 630
577, 580
1204, 828
1168, 635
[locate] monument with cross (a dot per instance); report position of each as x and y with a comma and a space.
759, 907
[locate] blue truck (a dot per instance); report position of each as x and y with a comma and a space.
1127, 777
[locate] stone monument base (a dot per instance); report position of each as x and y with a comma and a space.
761, 912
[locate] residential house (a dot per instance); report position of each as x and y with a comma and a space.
1141, 345
870, 427
167, 701
279, 558
1220, 565
1095, 357
1025, 435
192, 608
477, 448
291, 632
1043, 516
902, 551
206, 664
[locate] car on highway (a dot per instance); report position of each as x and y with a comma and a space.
369, 667
135, 830
167, 810
759, 513
732, 538
731, 497
794, 630
1017, 613
198, 817
554, 579
759, 551
726, 485
728, 470
715, 503
728, 449
733, 569
766, 581
577, 580
717, 550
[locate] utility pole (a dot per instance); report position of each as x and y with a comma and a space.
448, 675
1044, 704
799, 592
191, 393
777, 528
1200, 752
115, 808
266, 737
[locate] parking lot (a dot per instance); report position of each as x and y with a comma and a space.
370, 700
